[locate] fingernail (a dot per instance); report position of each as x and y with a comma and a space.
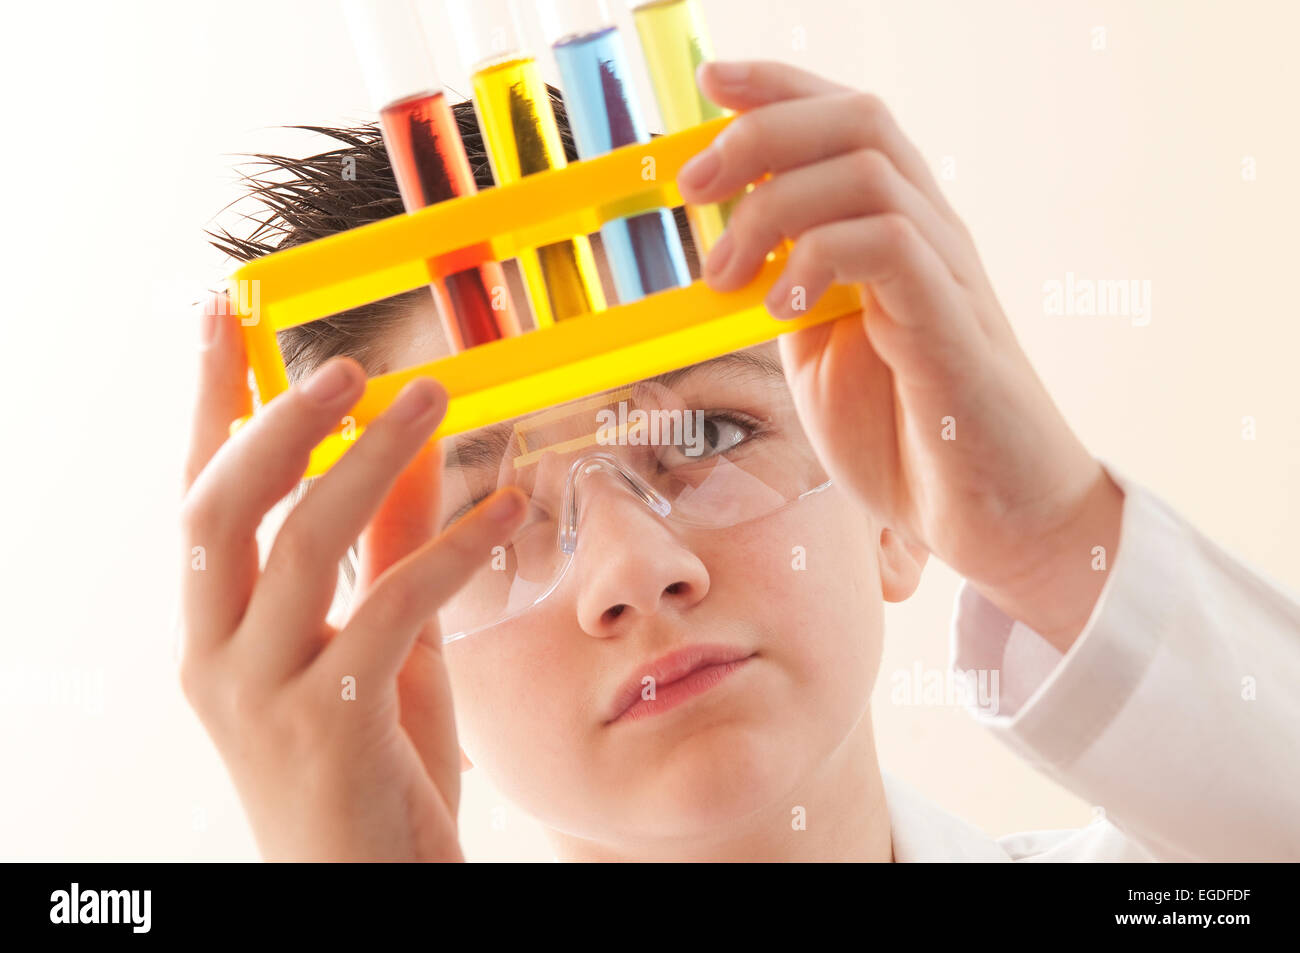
416, 400
716, 263
730, 74
328, 382
207, 324
503, 506
778, 302
701, 170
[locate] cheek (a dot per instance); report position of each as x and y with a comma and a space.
809, 578
524, 714
514, 709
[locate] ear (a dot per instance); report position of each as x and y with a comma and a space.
901, 563
465, 763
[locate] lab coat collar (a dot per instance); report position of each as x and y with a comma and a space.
924, 833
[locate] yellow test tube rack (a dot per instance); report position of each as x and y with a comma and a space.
505, 379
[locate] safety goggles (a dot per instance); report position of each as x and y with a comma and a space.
707, 447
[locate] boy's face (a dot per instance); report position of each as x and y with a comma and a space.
796, 593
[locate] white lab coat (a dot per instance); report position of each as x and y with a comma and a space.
1177, 710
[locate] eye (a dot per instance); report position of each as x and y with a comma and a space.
536, 514
460, 511
710, 433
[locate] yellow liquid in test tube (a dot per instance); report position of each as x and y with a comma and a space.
675, 41
519, 130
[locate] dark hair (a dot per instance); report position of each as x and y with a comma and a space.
301, 200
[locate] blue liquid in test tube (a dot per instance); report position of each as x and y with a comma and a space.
644, 251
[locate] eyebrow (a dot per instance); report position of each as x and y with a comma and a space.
487, 444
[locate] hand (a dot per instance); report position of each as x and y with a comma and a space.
1011, 500
322, 777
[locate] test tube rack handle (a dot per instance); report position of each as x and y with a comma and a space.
504, 379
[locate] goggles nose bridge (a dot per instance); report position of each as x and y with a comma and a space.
596, 462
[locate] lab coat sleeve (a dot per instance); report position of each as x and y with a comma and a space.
1177, 709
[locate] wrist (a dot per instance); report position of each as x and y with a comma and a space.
1056, 594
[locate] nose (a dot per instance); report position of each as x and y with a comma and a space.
629, 563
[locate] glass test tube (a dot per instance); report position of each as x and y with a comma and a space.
675, 41
519, 130
644, 251
428, 158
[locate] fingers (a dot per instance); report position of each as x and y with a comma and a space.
379, 636
408, 520
248, 475
851, 185
223, 394
915, 316
904, 273
790, 120
428, 715
215, 586
301, 572
749, 84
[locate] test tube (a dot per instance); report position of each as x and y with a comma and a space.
519, 130
428, 158
675, 41
644, 251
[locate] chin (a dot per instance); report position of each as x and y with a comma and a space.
713, 776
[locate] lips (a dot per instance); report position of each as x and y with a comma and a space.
677, 676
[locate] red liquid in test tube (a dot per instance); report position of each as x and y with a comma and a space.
429, 163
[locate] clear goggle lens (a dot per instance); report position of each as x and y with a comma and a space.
709, 446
